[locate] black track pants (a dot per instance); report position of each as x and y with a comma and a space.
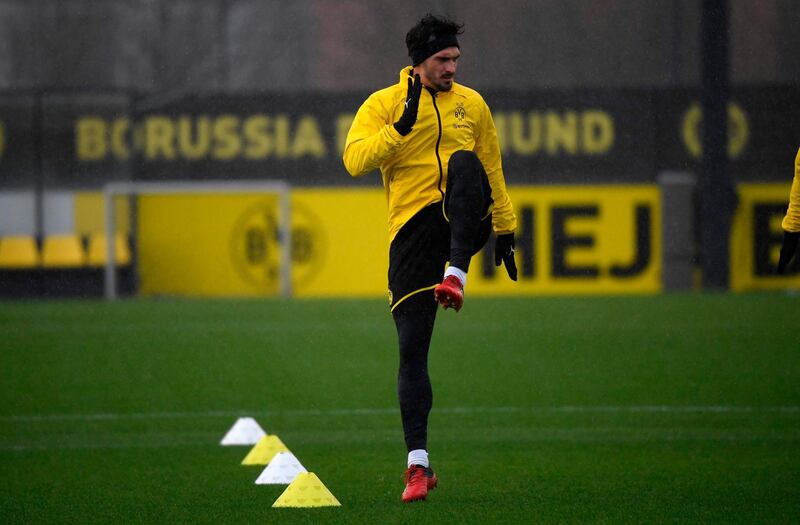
414, 319
467, 202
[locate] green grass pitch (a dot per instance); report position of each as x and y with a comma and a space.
679, 408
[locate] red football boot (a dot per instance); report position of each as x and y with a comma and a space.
450, 293
419, 480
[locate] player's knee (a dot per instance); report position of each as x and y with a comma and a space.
463, 163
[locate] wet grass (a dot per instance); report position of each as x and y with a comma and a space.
666, 409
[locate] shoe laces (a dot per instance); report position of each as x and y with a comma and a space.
453, 281
413, 471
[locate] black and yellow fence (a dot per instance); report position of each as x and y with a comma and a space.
60, 265
61, 251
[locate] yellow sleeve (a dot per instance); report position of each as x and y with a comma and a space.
791, 223
371, 139
487, 148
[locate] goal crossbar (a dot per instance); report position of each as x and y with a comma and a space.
112, 189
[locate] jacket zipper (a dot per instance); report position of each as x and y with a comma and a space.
438, 141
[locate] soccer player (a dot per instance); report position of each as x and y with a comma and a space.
436, 146
791, 222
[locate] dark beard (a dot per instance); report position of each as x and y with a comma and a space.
442, 87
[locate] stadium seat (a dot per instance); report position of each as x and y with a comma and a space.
63, 251
18, 251
98, 250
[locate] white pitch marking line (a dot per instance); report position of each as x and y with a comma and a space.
646, 409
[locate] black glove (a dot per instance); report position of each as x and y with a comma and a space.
504, 251
787, 249
409, 116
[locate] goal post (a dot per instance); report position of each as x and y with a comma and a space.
209, 188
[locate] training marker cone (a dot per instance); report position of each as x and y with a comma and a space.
244, 432
264, 451
306, 491
282, 470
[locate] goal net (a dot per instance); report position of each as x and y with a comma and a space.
203, 239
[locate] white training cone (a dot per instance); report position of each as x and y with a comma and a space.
244, 432
282, 470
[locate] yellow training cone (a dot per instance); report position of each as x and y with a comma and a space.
306, 491
263, 452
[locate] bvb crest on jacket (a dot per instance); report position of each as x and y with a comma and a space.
460, 112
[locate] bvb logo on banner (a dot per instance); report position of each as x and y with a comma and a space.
256, 247
738, 132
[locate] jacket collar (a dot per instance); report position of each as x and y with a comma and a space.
404, 74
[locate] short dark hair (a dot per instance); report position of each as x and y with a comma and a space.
421, 39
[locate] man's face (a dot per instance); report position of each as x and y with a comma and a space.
438, 71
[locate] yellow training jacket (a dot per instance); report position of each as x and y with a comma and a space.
414, 167
791, 223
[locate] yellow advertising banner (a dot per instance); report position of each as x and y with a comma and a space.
570, 240
576, 239
341, 242
227, 244
579, 239
208, 244
756, 238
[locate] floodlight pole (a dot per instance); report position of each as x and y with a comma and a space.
717, 191
110, 286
